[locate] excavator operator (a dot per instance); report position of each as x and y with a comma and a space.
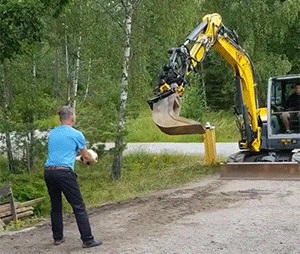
292, 108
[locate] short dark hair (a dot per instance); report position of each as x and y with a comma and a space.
66, 112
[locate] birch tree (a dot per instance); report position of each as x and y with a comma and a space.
125, 8
121, 124
74, 90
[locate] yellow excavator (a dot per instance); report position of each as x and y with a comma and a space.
267, 151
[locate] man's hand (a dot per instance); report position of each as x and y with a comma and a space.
279, 108
87, 157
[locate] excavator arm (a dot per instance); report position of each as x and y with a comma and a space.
165, 105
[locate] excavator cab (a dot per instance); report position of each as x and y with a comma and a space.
280, 88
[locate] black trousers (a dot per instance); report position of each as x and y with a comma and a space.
65, 181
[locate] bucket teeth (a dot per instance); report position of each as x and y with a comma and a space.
165, 114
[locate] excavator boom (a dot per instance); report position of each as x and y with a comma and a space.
165, 106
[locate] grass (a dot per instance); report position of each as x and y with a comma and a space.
142, 174
143, 129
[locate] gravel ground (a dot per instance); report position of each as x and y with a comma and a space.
210, 216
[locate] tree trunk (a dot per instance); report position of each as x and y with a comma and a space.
30, 131
72, 102
7, 100
10, 158
87, 88
119, 142
67, 68
203, 84
56, 75
29, 150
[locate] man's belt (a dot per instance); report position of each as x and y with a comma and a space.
57, 168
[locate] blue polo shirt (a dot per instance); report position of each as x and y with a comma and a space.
64, 143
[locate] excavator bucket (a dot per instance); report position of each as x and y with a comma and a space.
165, 114
261, 171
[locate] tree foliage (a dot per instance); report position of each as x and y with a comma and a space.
20, 23
263, 28
40, 39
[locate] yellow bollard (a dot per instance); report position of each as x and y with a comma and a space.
210, 154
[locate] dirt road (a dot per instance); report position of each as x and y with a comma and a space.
211, 216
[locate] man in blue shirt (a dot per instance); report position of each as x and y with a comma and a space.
64, 143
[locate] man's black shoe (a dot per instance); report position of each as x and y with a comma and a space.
58, 242
90, 244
